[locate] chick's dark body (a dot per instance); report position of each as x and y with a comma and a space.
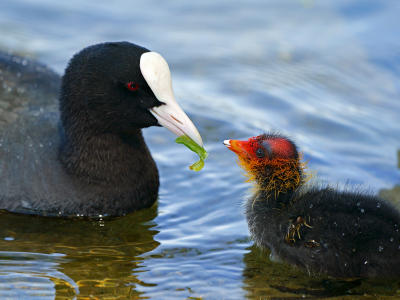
346, 234
323, 229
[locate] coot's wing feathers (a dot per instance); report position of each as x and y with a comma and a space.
26, 83
29, 135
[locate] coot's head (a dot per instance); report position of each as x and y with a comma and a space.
118, 88
271, 160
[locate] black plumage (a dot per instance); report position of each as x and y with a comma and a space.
87, 157
326, 230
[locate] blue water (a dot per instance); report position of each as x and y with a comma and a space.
325, 72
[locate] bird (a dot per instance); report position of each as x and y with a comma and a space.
323, 229
73, 146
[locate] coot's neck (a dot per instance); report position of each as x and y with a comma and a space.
98, 155
106, 159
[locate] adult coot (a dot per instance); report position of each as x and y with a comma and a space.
84, 154
320, 228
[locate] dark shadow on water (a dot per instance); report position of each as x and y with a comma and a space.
62, 257
322, 289
266, 279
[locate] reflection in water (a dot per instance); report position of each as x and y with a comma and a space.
99, 256
26, 274
264, 278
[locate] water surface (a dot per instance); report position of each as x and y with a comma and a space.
325, 72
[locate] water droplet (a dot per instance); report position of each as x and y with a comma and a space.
380, 248
391, 239
9, 238
358, 203
362, 210
354, 250
335, 223
345, 264
365, 262
41, 145
378, 205
19, 75
356, 224
311, 206
24, 62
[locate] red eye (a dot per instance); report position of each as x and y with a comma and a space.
132, 86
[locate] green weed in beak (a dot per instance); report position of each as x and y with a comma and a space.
188, 142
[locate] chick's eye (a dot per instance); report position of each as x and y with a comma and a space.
260, 153
132, 86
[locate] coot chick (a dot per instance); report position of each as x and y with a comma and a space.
321, 228
87, 156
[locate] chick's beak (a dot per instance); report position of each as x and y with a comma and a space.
239, 147
156, 72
